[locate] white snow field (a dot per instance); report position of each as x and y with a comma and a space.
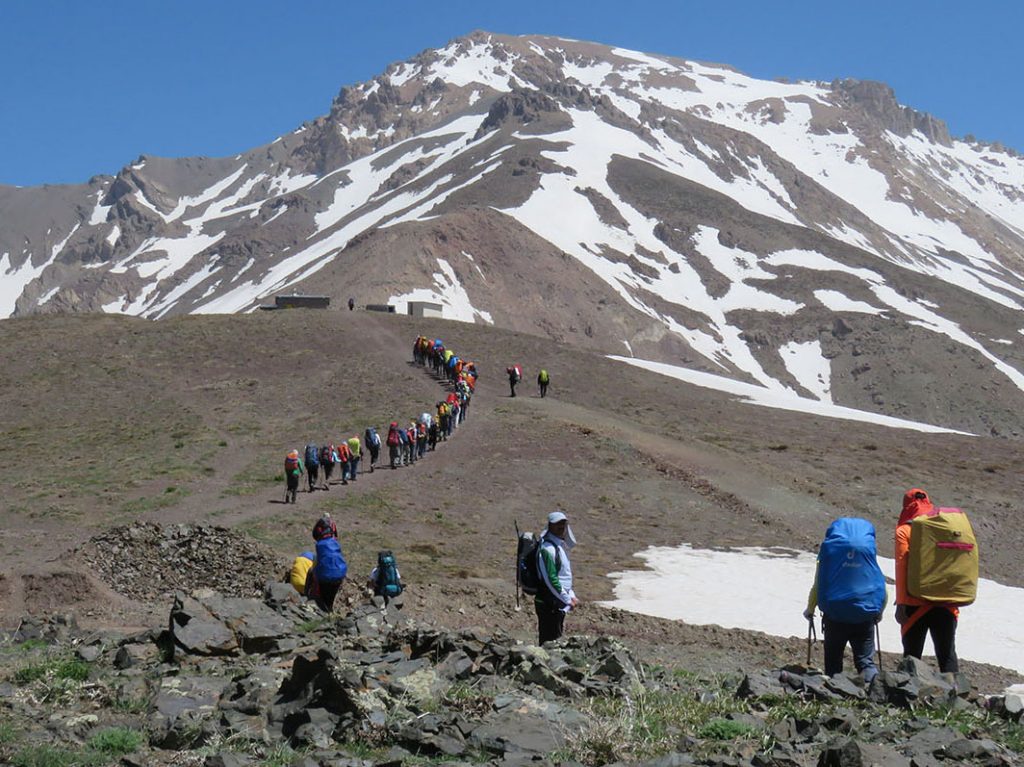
766, 590
806, 369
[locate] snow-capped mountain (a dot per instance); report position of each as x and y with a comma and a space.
809, 237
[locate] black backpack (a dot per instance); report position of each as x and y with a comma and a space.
387, 583
527, 574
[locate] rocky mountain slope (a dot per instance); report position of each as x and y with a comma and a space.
813, 238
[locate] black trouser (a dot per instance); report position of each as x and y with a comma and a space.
543, 390
941, 624
312, 472
550, 622
328, 591
293, 486
512, 387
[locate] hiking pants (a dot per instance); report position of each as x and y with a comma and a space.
293, 486
393, 453
344, 472
353, 467
328, 592
328, 471
543, 390
861, 638
421, 446
512, 386
550, 622
373, 457
312, 472
462, 412
941, 624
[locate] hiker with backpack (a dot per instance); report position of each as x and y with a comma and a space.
385, 580
554, 596
344, 456
936, 573
850, 590
328, 458
543, 379
371, 439
394, 444
327, 575
515, 375
312, 465
355, 453
292, 471
299, 571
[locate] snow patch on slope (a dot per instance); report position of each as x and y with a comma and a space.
994, 634
779, 399
448, 292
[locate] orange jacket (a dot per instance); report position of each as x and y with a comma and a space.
913, 506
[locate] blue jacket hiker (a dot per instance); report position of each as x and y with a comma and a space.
329, 568
555, 597
850, 590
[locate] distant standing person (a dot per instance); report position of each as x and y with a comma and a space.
292, 471
515, 375
543, 379
555, 597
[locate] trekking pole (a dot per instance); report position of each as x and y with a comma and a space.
518, 606
810, 632
878, 646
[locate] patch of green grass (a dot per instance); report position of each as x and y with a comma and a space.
130, 705
279, 756
32, 644
253, 479
645, 723
171, 496
52, 756
63, 669
7, 733
116, 741
724, 729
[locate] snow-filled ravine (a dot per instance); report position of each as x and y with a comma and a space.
766, 590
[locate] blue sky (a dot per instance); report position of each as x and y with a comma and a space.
89, 86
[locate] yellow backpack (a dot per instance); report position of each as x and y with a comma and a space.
943, 559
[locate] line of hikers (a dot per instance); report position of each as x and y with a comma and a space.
321, 575
936, 557
406, 444
515, 375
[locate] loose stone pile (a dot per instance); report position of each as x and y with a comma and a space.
152, 561
229, 680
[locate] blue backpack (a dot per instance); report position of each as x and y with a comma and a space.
312, 456
330, 563
851, 587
